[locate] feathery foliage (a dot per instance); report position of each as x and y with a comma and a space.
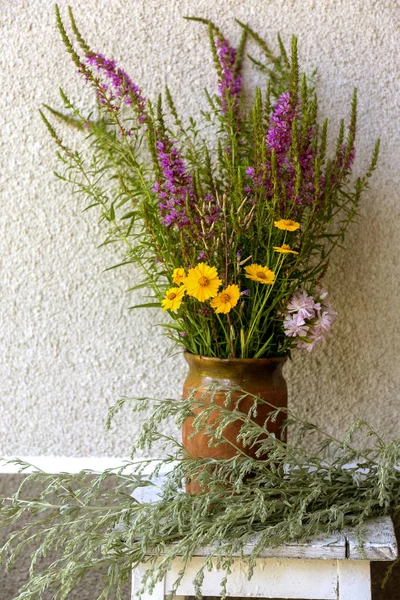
289, 493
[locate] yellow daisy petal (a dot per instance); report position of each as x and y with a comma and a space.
178, 276
173, 298
202, 282
287, 224
226, 300
284, 249
261, 274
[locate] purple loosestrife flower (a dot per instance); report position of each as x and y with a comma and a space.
343, 165
261, 178
251, 172
119, 86
340, 168
230, 83
176, 190
306, 161
279, 136
287, 172
279, 139
212, 210
205, 310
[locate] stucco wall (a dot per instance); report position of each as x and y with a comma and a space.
69, 347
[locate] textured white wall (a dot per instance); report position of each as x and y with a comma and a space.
69, 347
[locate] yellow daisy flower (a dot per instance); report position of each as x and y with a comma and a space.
173, 298
226, 300
287, 224
178, 276
284, 249
261, 274
202, 282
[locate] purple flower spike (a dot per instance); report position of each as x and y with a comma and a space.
279, 139
279, 136
119, 87
230, 83
176, 189
212, 210
341, 163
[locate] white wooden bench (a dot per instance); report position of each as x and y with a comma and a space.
323, 568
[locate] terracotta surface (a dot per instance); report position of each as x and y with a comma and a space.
262, 377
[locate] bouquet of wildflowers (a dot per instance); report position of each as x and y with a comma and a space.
233, 224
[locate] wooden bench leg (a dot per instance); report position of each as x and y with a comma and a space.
354, 580
159, 589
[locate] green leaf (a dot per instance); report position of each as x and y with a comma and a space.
147, 305
169, 326
264, 347
139, 286
129, 262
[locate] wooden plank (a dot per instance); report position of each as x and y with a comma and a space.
321, 547
378, 541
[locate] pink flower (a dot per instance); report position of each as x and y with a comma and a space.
324, 321
322, 295
302, 345
295, 325
303, 304
316, 335
308, 319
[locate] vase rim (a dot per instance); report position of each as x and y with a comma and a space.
199, 358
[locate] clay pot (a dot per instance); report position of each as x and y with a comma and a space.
259, 376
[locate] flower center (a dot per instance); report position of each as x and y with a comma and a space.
203, 281
171, 296
261, 275
225, 298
